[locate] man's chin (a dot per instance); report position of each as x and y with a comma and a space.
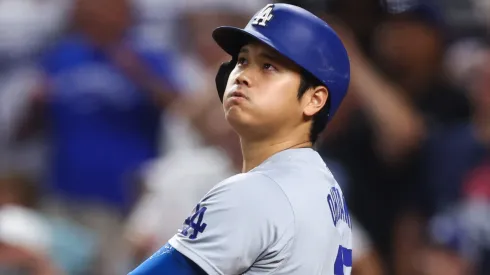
239, 120
235, 117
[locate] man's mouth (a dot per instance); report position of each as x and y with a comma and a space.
237, 94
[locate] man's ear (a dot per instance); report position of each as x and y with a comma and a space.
314, 100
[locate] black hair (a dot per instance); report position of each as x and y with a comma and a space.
320, 119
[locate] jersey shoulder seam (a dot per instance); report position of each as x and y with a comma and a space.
292, 240
288, 258
282, 191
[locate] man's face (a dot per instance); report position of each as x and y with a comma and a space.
480, 86
104, 20
409, 51
261, 94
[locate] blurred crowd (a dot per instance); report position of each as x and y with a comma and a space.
111, 130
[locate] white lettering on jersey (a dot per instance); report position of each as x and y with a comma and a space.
264, 16
338, 207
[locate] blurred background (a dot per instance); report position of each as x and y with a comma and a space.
111, 130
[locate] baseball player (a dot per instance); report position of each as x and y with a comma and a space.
285, 213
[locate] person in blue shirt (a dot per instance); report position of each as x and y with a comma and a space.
102, 101
100, 104
457, 169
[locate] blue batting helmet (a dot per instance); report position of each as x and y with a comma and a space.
298, 35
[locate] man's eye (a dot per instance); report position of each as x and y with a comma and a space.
241, 61
269, 67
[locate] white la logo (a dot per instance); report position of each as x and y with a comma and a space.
264, 16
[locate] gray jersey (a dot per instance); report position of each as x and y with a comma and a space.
286, 216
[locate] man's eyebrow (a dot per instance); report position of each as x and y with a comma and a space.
244, 50
270, 56
264, 54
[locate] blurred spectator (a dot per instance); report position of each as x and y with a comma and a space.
100, 103
379, 133
365, 258
482, 11
22, 250
16, 87
33, 243
409, 47
27, 27
24, 234
360, 16
458, 168
461, 18
155, 26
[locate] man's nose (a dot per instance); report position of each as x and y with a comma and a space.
244, 77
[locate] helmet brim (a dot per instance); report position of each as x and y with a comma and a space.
232, 39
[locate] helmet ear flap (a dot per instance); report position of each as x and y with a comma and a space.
223, 75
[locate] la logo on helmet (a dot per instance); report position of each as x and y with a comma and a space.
264, 16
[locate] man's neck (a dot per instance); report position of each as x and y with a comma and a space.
256, 152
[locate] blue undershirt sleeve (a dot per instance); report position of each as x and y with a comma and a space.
168, 260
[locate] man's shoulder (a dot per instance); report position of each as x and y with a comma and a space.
252, 190
247, 183
297, 167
